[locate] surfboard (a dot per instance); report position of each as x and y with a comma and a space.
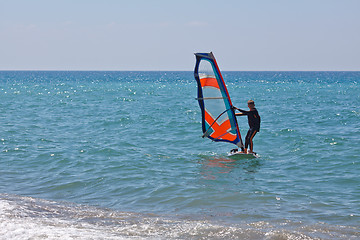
243, 155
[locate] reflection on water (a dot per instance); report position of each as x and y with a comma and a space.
215, 167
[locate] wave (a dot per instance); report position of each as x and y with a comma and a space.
30, 218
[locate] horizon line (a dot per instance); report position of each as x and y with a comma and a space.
53, 70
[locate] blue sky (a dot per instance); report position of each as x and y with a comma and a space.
255, 35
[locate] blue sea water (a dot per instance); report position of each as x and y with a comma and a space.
119, 155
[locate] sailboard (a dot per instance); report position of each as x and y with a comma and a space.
218, 115
238, 154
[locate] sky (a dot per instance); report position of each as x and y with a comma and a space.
131, 35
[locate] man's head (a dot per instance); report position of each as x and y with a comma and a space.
251, 104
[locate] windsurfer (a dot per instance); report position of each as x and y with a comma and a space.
254, 124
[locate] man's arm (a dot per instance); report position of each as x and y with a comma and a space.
241, 113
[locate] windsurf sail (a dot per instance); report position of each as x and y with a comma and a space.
218, 116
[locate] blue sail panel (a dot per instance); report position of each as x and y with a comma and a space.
218, 117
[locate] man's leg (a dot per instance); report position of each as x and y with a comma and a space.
247, 140
252, 135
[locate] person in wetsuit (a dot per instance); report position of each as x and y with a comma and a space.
254, 124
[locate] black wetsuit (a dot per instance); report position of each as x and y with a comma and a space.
254, 124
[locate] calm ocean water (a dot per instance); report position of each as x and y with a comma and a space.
119, 155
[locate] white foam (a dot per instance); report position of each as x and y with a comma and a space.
16, 224
29, 218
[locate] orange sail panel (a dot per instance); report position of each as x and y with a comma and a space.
218, 117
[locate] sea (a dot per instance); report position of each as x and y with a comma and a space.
120, 155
